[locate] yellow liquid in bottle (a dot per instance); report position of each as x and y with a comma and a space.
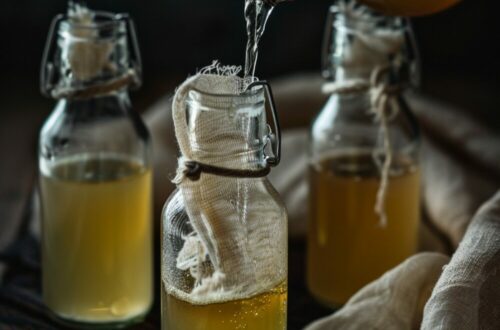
97, 240
410, 7
266, 311
347, 248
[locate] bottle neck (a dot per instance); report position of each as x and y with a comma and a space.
228, 131
91, 55
349, 73
110, 105
359, 42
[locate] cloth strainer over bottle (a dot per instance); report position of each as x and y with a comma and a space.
225, 228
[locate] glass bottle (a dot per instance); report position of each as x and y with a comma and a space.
95, 174
224, 236
364, 173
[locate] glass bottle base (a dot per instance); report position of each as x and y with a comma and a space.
75, 323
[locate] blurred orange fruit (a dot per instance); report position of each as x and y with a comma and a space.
410, 7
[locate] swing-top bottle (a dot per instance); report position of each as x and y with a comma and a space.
364, 175
95, 174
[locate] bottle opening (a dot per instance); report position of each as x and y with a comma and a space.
90, 53
93, 25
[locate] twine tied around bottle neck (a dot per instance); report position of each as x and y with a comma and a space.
129, 78
381, 94
225, 82
192, 170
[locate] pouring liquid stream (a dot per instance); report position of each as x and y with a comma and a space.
257, 13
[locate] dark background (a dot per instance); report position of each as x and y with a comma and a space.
179, 36
461, 66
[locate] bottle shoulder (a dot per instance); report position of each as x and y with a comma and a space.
174, 206
105, 124
351, 122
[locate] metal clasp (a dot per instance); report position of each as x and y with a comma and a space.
327, 42
275, 137
135, 53
47, 72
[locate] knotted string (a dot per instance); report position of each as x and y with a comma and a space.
127, 79
380, 96
187, 166
192, 170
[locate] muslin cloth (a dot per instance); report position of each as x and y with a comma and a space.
467, 295
395, 301
461, 171
236, 224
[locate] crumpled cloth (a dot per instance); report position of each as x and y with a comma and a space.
390, 302
467, 295
461, 171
